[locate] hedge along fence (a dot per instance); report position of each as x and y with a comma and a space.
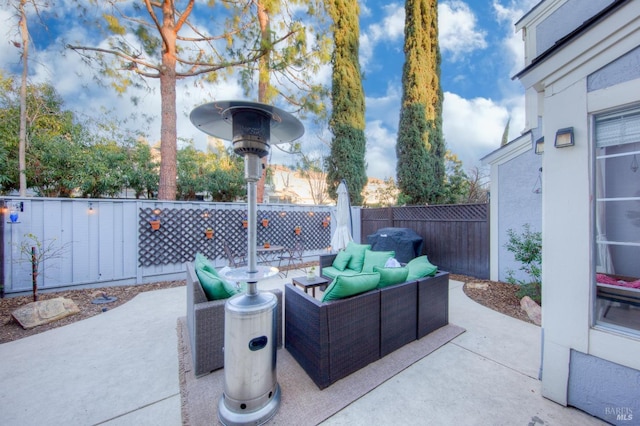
455, 237
111, 242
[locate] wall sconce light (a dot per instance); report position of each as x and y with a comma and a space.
539, 146
156, 210
14, 209
564, 138
311, 214
91, 208
205, 214
282, 213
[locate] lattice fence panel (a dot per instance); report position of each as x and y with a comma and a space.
450, 213
180, 237
181, 234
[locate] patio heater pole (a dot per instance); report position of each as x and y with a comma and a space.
252, 168
251, 391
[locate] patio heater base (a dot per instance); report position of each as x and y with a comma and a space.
251, 391
261, 416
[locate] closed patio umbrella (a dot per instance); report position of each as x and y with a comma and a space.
342, 235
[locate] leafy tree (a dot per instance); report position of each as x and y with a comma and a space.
218, 173
160, 41
55, 164
226, 180
142, 175
456, 183
191, 180
347, 121
105, 169
420, 148
52, 133
293, 65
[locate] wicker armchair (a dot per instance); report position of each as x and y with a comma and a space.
205, 322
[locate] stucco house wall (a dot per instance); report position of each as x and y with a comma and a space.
515, 174
588, 70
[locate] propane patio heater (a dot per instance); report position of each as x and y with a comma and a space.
251, 391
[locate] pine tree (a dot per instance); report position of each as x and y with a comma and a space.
348, 145
421, 148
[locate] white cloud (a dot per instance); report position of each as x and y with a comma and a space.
512, 43
457, 27
458, 32
473, 128
381, 150
390, 29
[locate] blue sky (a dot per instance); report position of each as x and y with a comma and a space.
480, 53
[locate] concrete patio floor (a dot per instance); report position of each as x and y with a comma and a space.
121, 368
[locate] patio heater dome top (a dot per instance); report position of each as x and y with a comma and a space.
251, 126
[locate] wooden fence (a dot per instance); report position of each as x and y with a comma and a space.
111, 242
455, 237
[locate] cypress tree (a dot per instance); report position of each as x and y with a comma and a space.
348, 143
421, 148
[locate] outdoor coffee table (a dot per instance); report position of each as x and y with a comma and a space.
312, 283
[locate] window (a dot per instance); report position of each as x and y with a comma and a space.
617, 220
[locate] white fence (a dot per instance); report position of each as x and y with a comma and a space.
99, 240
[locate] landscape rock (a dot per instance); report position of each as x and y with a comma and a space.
44, 311
479, 286
533, 310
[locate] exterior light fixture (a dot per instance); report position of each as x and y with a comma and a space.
539, 146
537, 187
564, 138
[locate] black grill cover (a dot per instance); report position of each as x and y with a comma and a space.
404, 241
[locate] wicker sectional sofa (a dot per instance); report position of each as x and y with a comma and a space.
333, 339
205, 323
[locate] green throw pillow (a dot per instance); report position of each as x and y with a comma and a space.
376, 258
420, 267
357, 255
391, 276
341, 261
345, 286
203, 264
215, 288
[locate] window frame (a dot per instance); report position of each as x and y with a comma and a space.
596, 301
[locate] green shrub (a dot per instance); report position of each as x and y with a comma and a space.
527, 249
533, 290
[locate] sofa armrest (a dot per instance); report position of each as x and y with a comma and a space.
433, 303
307, 334
205, 324
354, 333
326, 260
398, 316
